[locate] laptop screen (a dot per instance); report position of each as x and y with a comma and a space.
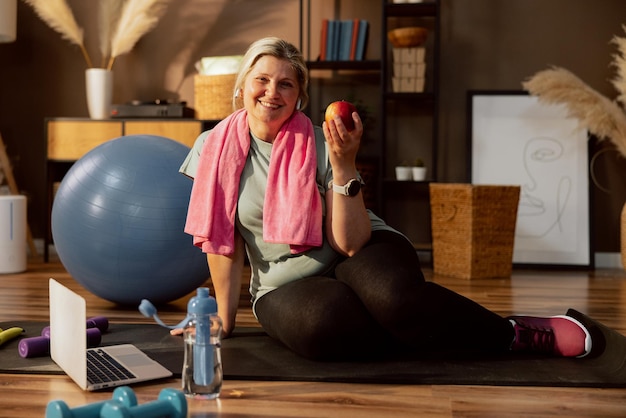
68, 327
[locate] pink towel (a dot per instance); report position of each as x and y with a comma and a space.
292, 211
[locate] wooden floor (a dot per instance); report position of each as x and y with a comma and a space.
601, 294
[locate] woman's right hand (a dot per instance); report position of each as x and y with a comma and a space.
226, 276
343, 146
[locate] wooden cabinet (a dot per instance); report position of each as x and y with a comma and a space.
184, 132
68, 139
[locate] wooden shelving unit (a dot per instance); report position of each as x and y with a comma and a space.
399, 115
409, 124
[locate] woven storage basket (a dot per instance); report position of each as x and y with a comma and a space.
214, 95
473, 229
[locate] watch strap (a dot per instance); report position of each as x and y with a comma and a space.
345, 189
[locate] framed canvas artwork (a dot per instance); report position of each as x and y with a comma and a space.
515, 139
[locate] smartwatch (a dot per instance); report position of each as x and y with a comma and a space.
351, 188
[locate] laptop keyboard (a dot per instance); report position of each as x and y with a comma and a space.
101, 367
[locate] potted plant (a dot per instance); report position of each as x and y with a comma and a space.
418, 170
404, 171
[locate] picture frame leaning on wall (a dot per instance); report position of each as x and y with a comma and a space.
514, 139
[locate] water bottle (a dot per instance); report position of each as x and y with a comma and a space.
202, 367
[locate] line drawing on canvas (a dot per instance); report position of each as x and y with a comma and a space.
543, 150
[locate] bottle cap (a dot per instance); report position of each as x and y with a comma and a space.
203, 303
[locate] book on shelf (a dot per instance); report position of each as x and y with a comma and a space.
362, 40
324, 39
343, 40
354, 39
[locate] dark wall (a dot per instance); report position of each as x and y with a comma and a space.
486, 44
497, 44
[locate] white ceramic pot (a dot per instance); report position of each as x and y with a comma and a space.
419, 173
99, 88
404, 173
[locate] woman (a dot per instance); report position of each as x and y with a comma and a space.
329, 279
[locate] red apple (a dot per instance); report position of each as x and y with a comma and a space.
342, 109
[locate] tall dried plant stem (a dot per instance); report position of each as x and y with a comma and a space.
604, 118
138, 17
108, 16
619, 62
85, 55
58, 15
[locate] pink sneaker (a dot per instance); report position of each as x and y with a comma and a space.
558, 335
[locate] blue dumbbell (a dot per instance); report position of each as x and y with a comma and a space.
171, 404
59, 409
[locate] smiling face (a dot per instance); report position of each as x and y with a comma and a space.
270, 94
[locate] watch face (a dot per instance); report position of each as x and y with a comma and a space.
354, 187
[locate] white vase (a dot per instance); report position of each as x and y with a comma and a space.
99, 87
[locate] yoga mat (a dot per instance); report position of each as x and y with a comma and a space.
251, 355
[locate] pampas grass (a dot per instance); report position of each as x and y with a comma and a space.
58, 15
121, 24
138, 17
619, 62
603, 117
108, 18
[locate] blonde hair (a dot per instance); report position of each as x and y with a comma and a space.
280, 49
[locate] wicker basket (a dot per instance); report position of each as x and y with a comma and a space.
214, 96
473, 229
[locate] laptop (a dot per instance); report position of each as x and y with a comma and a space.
68, 347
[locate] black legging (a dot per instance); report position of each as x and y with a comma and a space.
377, 301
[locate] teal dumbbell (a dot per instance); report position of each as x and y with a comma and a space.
170, 404
59, 409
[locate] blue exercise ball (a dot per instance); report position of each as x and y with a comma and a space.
118, 218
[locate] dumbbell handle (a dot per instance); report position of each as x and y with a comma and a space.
100, 322
40, 346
